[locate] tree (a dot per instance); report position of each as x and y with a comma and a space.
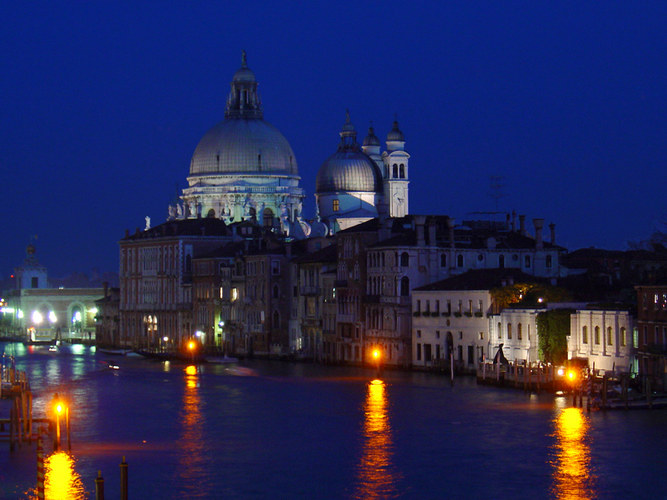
553, 328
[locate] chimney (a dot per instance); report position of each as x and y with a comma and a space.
431, 233
552, 228
522, 225
127, 233
450, 228
539, 224
419, 222
106, 289
513, 221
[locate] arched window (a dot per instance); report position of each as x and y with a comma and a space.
394, 171
443, 260
276, 319
405, 286
402, 171
509, 331
610, 340
459, 260
623, 339
405, 259
527, 261
501, 261
267, 217
500, 331
584, 335
211, 214
519, 333
252, 212
597, 335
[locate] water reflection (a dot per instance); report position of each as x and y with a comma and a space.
192, 454
573, 477
376, 476
61, 480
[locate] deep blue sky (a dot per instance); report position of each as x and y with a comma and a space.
103, 104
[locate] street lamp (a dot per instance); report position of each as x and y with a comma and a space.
191, 347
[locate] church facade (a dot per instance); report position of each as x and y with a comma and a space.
244, 168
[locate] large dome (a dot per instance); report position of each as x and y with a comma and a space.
348, 171
240, 145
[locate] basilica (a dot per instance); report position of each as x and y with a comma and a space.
244, 169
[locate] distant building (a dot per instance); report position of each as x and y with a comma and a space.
31, 274
156, 267
651, 339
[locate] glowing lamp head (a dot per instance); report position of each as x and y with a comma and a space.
59, 408
561, 372
376, 353
191, 345
571, 375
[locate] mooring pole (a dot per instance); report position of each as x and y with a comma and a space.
69, 442
99, 486
451, 368
40, 468
123, 480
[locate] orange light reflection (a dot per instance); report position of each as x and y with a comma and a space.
192, 457
376, 476
61, 480
572, 469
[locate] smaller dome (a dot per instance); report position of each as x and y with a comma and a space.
244, 75
395, 134
348, 171
371, 139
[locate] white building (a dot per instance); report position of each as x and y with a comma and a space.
603, 336
356, 180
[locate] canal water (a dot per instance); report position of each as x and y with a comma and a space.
262, 429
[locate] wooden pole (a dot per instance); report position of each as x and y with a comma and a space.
99, 486
69, 442
30, 414
604, 391
451, 368
40, 468
123, 480
11, 428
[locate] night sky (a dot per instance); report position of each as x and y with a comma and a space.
103, 104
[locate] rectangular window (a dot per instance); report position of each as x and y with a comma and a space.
437, 306
419, 305
427, 352
519, 333
509, 331
336, 205
584, 335
623, 339
275, 267
481, 306
481, 335
419, 352
437, 334
419, 334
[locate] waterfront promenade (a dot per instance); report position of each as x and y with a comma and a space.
270, 429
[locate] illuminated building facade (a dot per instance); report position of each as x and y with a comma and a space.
244, 168
358, 182
156, 268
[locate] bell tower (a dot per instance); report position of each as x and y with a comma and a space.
395, 173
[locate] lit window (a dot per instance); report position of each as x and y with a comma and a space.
235, 294
336, 205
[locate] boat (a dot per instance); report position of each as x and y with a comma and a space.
53, 348
171, 356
